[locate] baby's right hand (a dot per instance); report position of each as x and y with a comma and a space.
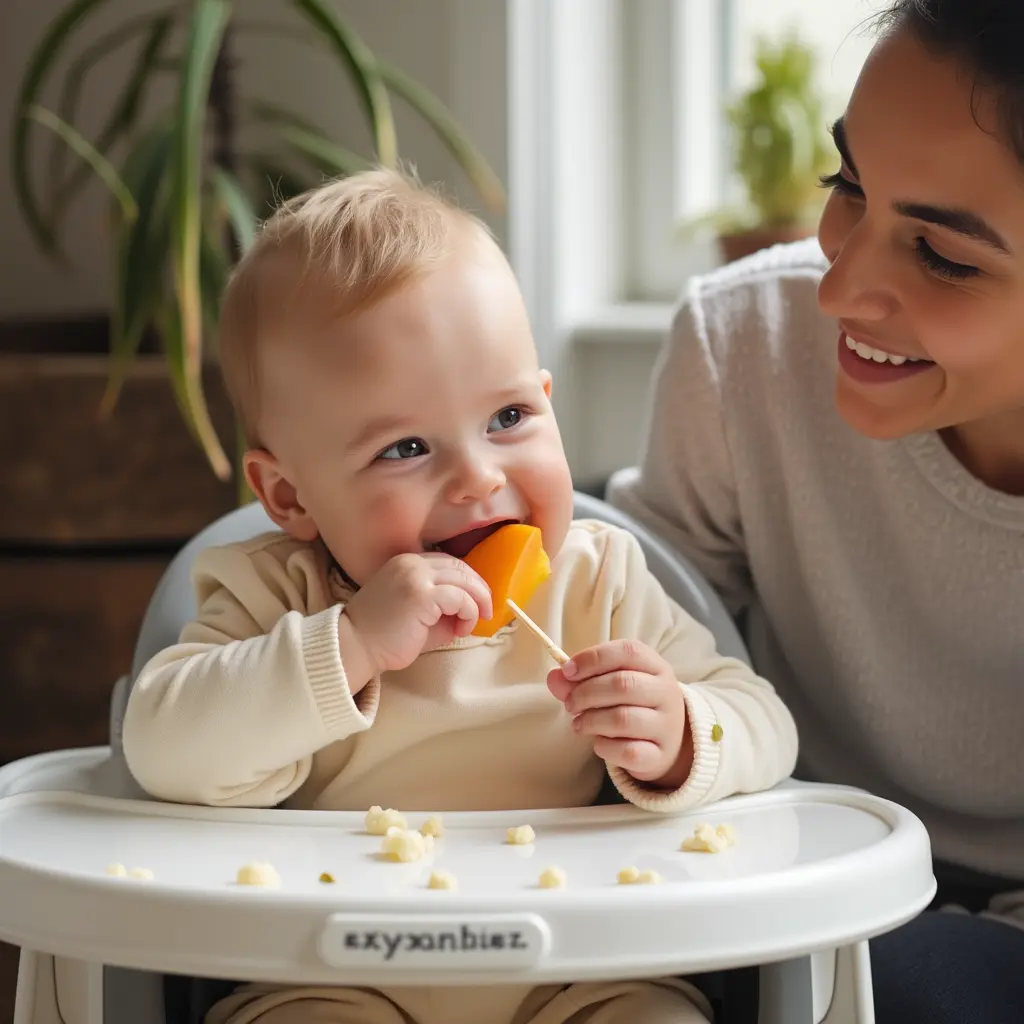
415, 603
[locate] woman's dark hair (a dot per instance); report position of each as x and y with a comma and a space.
986, 37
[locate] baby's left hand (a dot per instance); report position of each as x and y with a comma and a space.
625, 695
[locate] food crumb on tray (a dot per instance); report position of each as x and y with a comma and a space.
433, 826
258, 873
406, 845
552, 878
378, 820
120, 871
709, 839
634, 876
521, 835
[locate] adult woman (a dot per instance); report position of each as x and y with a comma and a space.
861, 500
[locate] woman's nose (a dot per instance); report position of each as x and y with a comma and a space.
858, 284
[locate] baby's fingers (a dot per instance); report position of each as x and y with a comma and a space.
451, 572
622, 722
559, 686
614, 688
643, 759
614, 656
455, 603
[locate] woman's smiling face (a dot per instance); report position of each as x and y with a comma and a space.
924, 232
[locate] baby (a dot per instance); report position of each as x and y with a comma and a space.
379, 356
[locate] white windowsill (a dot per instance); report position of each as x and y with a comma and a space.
624, 323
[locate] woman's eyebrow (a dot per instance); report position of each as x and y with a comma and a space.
963, 222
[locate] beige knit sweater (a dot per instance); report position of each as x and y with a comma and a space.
252, 707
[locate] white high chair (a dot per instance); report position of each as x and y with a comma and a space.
817, 870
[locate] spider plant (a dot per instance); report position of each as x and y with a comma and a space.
185, 201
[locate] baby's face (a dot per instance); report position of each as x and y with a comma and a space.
419, 424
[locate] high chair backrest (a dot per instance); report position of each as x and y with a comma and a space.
173, 602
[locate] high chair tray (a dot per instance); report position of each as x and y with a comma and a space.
813, 867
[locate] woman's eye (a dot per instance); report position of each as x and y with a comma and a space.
839, 183
940, 265
506, 419
407, 448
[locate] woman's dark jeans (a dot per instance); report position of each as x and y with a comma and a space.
945, 968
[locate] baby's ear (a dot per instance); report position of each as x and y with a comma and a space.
545, 382
277, 494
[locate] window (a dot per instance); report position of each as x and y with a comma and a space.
685, 59
617, 140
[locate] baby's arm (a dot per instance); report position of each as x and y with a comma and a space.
743, 737
233, 713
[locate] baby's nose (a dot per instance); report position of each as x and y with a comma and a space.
477, 479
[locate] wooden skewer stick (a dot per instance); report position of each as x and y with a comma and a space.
554, 650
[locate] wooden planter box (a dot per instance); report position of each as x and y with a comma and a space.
93, 512
73, 479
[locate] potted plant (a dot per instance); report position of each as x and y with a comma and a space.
780, 151
97, 504
182, 215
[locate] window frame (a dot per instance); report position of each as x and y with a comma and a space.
577, 152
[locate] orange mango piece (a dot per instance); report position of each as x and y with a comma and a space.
513, 563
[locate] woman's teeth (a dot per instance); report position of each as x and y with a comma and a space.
876, 355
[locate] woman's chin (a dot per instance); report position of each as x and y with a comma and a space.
879, 422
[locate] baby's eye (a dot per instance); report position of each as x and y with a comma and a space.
508, 418
407, 448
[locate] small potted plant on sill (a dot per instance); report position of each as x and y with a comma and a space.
780, 151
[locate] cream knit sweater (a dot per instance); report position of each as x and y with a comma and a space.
252, 707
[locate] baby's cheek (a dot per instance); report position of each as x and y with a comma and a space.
548, 488
366, 531
393, 523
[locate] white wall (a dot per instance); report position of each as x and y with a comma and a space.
455, 47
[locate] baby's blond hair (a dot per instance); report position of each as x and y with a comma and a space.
345, 245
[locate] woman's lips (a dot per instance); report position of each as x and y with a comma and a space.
870, 371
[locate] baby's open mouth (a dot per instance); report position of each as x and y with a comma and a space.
462, 543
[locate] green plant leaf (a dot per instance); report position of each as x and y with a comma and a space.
156, 26
140, 272
437, 115
362, 67
309, 142
206, 30
168, 321
188, 393
244, 494
330, 160
277, 183
237, 206
102, 167
40, 64
214, 270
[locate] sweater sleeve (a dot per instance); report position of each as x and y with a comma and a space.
683, 488
233, 713
744, 738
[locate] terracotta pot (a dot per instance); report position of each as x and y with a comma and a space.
744, 243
